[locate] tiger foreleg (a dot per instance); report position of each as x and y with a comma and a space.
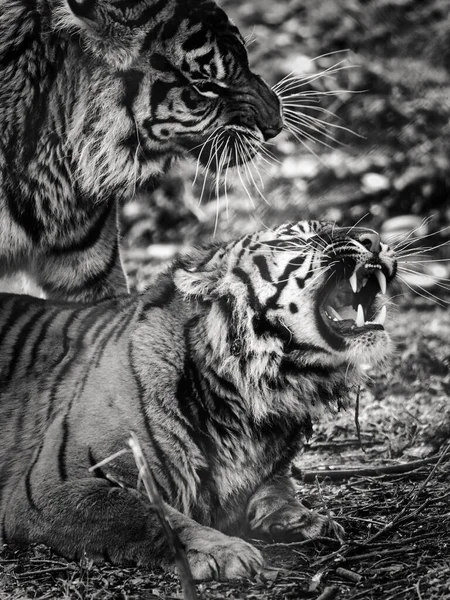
274, 513
89, 518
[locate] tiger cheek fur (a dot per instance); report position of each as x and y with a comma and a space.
217, 374
96, 100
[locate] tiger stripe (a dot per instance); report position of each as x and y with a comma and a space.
97, 100
214, 371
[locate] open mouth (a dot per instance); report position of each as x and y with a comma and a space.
352, 306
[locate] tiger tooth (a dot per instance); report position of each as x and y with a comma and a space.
381, 316
336, 315
360, 316
381, 281
353, 282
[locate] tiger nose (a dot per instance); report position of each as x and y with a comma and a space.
272, 130
370, 240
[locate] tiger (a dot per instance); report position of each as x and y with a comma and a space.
220, 369
97, 98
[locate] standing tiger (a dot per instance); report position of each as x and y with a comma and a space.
96, 98
219, 368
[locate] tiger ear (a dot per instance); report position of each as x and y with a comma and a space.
193, 282
83, 9
117, 45
81, 14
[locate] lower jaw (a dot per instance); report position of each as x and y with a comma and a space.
350, 330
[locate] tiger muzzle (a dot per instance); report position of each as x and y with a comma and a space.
261, 107
270, 116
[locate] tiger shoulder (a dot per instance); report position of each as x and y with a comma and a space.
219, 368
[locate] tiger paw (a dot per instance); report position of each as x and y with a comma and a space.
292, 521
213, 555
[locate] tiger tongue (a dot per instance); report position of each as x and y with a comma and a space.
347, 312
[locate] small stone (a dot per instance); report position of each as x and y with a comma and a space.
372, 183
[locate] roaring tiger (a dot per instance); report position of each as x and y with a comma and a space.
219, 368
96, 98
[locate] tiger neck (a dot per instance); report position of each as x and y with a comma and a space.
268, 385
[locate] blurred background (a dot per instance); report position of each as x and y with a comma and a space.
376, 74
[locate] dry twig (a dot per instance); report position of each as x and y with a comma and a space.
181, 561
337, 475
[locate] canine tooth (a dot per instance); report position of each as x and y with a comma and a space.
381, 281
354, 282
381, 316
336, 315
360, 316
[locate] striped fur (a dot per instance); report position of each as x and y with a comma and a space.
220, 369
96, 98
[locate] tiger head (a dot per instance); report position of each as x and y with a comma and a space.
163, 78
299, 304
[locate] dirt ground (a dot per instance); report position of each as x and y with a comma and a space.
388, 487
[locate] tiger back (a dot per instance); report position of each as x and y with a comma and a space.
219, 368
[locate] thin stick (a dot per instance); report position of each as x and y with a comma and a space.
337, 475
358, 428
329, 593
413, 498
181, 561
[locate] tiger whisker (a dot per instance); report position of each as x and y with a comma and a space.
420, 262
211, 135
291, 74
246, 154
228, 158
408, 252
305, 145
298, 121
331, 53
437, 280
219, 167
295, 121
306, 78
290, 106
238, 168
405, 243
249, 174
297, 82
248, 146
320, 122
358, 222
136, 157
213, 150
203, 145
427, 295
299, 133
313, 96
